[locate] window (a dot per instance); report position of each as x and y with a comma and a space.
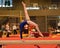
6, 3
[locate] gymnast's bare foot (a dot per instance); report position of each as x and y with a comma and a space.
23, 3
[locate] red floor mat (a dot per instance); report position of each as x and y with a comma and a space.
30, 46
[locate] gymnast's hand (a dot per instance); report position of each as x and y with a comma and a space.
23, 3
41, 34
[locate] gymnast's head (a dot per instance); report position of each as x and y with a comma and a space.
26, 26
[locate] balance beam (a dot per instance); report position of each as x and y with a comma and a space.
3, 42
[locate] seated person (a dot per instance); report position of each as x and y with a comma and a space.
33, 32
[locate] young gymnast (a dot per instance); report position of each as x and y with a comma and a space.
28, 21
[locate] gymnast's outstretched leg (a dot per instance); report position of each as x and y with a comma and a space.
21, 27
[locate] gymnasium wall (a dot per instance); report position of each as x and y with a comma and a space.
17, 7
